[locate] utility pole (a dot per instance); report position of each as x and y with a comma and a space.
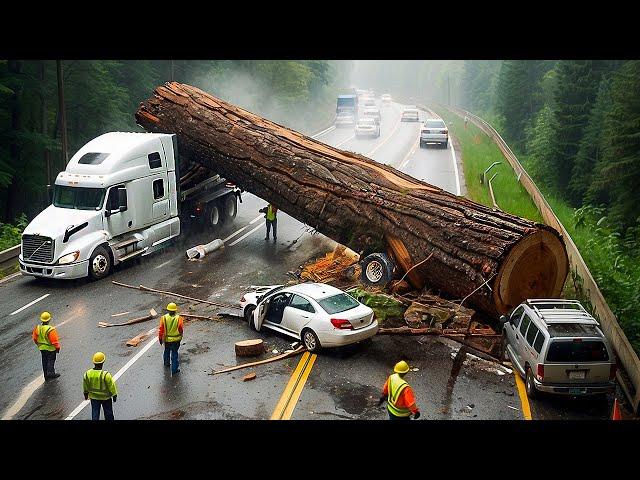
63, 116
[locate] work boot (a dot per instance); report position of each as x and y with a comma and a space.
274, 239
266, 238
51, 377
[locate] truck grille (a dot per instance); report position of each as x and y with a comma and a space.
36, 248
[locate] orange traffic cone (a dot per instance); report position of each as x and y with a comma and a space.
616, 411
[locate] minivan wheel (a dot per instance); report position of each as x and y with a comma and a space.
99, 263
529, 385
310, 340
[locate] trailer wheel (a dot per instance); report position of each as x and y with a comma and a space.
230, 207
213, 215
377, 270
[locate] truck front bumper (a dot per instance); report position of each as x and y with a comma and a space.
69, 271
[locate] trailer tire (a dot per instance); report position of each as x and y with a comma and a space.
100, 263
229, 207
377, 270
213, 215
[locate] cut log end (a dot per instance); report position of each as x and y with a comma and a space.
536, 267
250, 348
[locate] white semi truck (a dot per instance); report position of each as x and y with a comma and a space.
121, 197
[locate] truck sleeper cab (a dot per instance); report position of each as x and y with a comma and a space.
118, 199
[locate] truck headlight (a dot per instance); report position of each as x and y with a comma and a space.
69, 257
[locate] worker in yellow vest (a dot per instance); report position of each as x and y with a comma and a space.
401, 402
271, 216
46, 338
170, 333
99, 387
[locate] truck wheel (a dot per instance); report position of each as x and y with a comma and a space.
99, 263
230, 207
377, 270
213, 215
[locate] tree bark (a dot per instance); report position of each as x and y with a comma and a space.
493, 258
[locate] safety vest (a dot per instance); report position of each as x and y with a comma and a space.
97, 385
396, 386
171, 332
271, 215
43, 338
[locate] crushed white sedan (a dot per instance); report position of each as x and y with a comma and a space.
316, 313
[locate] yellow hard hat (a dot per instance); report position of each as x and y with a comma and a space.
45, 316
172, 307
401, 367
99, 357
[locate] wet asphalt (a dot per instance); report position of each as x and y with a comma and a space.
344, 383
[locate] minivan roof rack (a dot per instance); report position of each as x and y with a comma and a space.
551, 311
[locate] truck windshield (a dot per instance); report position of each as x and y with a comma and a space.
78, 197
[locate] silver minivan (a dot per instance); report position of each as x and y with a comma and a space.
558, 347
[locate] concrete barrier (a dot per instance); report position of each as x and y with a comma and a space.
600, 309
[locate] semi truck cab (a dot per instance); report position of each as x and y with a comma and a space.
118, 199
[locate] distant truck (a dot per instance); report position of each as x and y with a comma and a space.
347, 104
120, 198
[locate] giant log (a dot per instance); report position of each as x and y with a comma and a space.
492, 259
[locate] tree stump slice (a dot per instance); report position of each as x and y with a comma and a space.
250, 348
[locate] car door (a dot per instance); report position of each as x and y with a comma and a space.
530, 356
520, 341
511, 327
275, 310
297, 314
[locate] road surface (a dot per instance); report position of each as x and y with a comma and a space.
336, 384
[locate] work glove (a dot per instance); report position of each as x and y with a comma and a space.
57, 350
160, 341
381, 400
416, 415
115, 398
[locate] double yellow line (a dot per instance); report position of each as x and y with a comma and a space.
289, 398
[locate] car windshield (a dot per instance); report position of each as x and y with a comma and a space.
571, 351
80, 198
269, 292
434, 124
338, 303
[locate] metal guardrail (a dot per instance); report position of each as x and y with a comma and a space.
627, 356
9, 257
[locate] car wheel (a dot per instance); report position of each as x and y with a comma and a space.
248, 314
310, 340
529, 385
421, 145
377, 270
230, 207
99, 263
445, 144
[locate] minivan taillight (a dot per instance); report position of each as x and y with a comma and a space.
540, 372
612, 371
341, 324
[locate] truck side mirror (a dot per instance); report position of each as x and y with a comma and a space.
504, 319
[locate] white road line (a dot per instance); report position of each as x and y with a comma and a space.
149, 344
163, 264
30, 303
386, 139
330, 129
242, 229
13, 275
24, 396
245, 235
455, 167
406, 159
344, 141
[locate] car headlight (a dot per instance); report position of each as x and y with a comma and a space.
69, 257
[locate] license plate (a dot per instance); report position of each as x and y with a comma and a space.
577, 375
575, 391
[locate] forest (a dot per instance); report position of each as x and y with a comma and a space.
102, 96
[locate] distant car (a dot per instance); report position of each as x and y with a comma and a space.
558, 347
372, 112
410, 115
368, 127
345, 119
434, 130
369, 102
316, 313
386, 98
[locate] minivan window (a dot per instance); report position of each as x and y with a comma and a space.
531, 333
516, 316
538, 342
571, 351
525, 323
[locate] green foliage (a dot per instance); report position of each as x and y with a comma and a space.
541, 145
10, 235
